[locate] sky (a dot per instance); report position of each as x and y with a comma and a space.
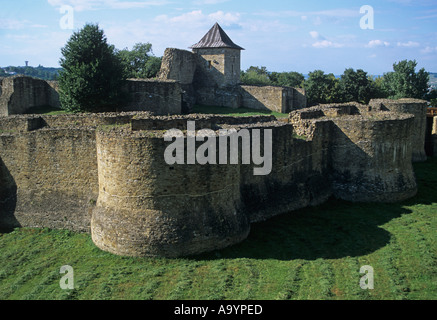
300, 36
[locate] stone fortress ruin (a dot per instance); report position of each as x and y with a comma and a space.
105, 174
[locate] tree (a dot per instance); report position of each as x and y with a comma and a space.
432, 97
92, 74
377, 90
404, 82
355, 86
322, 88
289, 79
255, 76
140, 61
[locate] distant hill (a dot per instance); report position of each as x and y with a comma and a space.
39, 72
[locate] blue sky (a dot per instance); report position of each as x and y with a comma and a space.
297, 36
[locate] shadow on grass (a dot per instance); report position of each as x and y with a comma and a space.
336, 229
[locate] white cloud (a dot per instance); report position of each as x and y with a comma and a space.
13, 24
377, 43
316, 35
198, 17
322, 42
337, 13
409, 44
327, 44
225, 18
429, 49
86, 5
206, 2
334, 13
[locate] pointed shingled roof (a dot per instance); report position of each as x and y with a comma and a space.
216, 38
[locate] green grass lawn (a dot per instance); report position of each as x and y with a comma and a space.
240, 112
47, 110
315, 253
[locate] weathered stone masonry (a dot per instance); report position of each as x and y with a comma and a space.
105, 174
19, 94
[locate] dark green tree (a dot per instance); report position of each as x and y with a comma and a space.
322, 88
377, 90
140, 61
92, 74
255, 76
405, 82
290, 79
355, 86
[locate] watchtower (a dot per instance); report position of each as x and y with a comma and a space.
220, 58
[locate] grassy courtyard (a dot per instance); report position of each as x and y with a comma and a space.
315, 253
239, 112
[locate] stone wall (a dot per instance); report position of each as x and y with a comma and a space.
431, 136
20, 93
157, 96
211, 77
51, 178
217, 67
300, 100
161, 97
229, 97
179, 65
434, 136
298, 177
273, 98
106, 174
416, 108
369, 152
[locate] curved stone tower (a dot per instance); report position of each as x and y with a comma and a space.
369, 152
371, 158
149, 208
415, 107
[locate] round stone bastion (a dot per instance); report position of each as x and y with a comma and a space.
147, 207
370, 152
415, 107
371, 158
